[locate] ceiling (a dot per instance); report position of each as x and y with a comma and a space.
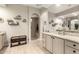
62, 7
54, 8
39, 5
71, 14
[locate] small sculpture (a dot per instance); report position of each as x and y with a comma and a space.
24, 20
18, 17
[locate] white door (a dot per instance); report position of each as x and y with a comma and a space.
58, 46
49, 43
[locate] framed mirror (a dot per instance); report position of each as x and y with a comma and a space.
72, 23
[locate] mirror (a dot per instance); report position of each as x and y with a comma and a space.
75, 24
72, 23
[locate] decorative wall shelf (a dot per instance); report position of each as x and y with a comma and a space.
11, 22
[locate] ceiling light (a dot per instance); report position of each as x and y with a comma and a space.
58, 5
75, 14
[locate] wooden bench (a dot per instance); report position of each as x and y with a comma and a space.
18, 39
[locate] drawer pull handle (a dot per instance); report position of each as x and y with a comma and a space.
74, 51
74, 45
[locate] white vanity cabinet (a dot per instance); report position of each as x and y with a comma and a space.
2, 39
53, 44
49, 43
71, 47
43, 40
58, 46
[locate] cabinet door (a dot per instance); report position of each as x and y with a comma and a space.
43, 40
49, 42
0, 41
4, 40
58, 46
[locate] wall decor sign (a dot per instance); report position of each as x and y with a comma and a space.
1, 20
18, 17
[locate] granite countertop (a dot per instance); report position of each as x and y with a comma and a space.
72, 31
65, 37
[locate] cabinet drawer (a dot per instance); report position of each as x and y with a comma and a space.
69, 50
72, 44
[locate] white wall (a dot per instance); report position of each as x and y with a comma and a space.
43, 17
11, 11
48, 17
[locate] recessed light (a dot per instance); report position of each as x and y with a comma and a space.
58, 5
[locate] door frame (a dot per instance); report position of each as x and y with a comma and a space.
30, 20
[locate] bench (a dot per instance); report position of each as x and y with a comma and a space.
18, 39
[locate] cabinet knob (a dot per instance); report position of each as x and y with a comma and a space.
74, 45
52, 37
74, 51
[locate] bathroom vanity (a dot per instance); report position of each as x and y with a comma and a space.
63, 37
60, 44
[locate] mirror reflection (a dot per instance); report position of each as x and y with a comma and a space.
70, 22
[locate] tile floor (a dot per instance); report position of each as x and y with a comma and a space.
33, 47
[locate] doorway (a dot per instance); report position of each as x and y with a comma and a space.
34, 27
